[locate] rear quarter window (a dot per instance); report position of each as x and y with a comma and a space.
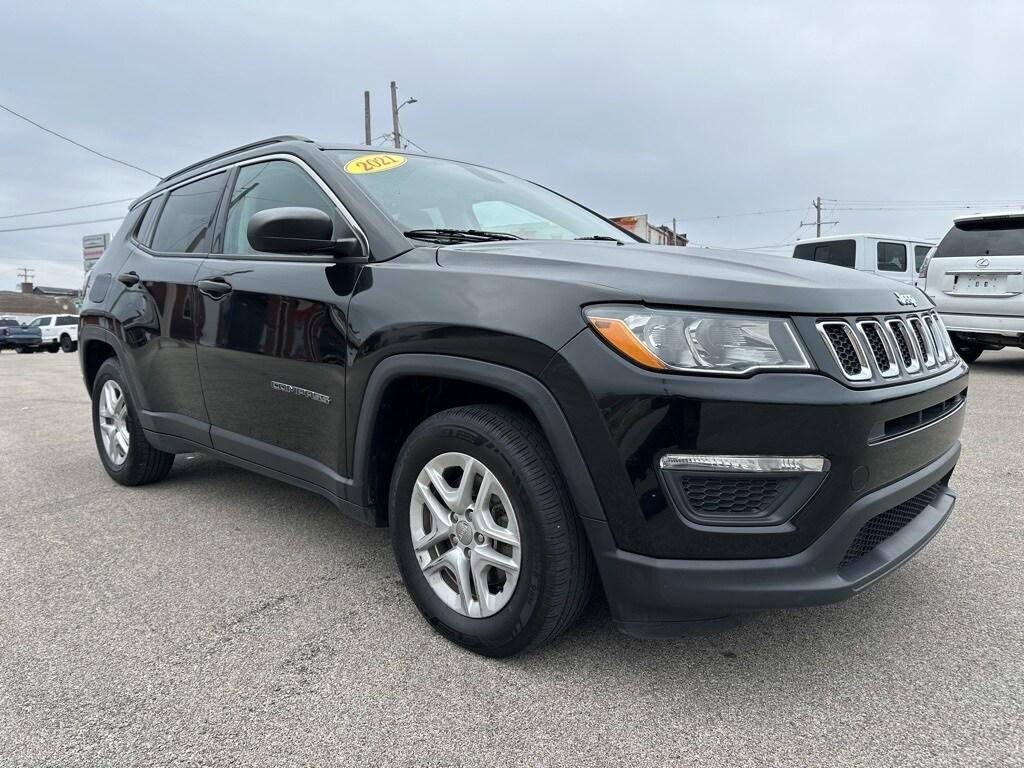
841, 253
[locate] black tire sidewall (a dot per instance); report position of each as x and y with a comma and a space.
514, 625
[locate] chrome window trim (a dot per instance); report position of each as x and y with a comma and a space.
356, 229
865, 366
891, 354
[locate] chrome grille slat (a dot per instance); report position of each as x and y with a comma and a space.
878, 343
924, 345
888, 348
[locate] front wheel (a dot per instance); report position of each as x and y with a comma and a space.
484, 532
126, 455
67, 344
55, 347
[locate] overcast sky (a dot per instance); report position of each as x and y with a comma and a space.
671, 109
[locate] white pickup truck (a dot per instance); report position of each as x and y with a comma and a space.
58, 331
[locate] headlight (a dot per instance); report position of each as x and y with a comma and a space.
699, 342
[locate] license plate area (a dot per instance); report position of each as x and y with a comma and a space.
979, 283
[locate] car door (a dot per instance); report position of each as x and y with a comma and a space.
156, 306
273, 333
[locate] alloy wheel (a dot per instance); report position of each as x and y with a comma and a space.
465, 534
113, 422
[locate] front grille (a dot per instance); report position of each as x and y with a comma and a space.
733, 497
897, 347
924, 349
888, 523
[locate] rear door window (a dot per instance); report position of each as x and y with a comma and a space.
892, 257
187, 217
841, 253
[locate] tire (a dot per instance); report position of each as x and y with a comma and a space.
67, 344
142, 463
55, 347
25, 350
555, 574
968, 352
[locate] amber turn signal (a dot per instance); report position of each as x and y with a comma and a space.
618, 335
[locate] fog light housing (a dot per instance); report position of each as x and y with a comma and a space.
726, 490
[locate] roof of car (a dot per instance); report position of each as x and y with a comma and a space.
990, 215
901, 238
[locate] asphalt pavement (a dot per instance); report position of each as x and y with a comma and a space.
220, 618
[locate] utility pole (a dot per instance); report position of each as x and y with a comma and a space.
26, 275
366, 116
817, 218
394, 115
675, 240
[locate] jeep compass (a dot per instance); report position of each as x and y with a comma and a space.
530, 398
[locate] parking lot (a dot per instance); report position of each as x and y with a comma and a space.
221, 618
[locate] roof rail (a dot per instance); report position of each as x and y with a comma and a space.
236, 150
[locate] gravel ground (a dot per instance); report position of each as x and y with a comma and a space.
220, 618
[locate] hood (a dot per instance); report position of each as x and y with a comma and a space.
693, 277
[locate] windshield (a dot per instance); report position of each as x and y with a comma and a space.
424, 193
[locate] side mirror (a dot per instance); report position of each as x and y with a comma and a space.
300, 230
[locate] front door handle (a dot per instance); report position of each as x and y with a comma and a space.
217, 288
129, 279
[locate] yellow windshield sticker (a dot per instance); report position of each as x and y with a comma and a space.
373, 163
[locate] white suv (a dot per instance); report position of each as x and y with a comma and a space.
58, 331
976, 279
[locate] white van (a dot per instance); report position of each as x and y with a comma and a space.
899, 258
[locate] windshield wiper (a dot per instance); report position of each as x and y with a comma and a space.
459, 235
604, 238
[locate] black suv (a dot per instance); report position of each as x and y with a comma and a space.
530, 397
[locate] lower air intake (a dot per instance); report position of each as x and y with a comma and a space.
888, 523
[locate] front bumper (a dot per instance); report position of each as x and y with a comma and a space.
658, 597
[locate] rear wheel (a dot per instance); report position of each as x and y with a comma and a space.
484, 532
126, 455
967, 350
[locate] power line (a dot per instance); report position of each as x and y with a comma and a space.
735, 215
70, 208
76, 143
65, 224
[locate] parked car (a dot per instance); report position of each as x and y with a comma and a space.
976, 279
893, 257
58, 332
707, 433
17, 336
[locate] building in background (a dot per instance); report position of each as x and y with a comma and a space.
652, 233
32, 301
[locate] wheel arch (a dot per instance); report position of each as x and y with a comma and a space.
449, 381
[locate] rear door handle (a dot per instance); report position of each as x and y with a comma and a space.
217, 288
129, 279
